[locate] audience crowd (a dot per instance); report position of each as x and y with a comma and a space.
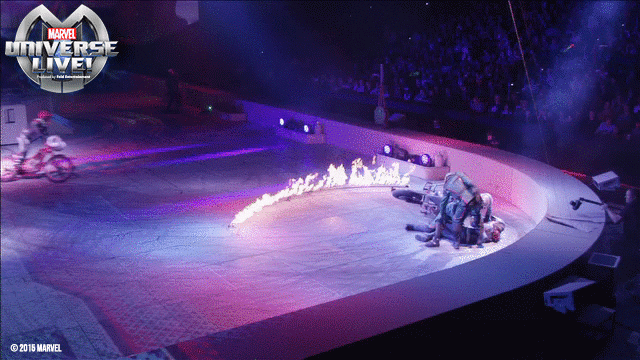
583, 70
582, 81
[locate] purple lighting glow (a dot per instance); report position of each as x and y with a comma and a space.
226, 203
207, 157
133, 153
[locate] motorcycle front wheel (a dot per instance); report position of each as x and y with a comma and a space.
408, 196
59, 168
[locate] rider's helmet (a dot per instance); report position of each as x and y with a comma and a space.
45, 115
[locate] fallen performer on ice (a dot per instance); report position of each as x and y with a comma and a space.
464, 215
491, 231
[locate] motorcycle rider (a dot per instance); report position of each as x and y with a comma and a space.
38, 128
460, 195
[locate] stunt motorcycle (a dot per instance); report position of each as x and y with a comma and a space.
428, 198
433, 191
56, 167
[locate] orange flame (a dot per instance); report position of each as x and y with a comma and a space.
337, 177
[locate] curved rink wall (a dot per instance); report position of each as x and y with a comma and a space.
539, 190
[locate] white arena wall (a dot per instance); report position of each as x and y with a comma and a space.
494, 171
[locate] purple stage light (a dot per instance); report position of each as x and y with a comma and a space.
425, 160
134, 153
231, 202
207, 157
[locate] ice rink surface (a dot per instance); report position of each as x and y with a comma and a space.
135, 253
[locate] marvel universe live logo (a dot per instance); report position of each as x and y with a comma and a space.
61, 51
58, 55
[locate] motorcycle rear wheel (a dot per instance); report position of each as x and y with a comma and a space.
408, 196
59, 168
9, 172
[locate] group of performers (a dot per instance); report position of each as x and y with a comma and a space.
464, 215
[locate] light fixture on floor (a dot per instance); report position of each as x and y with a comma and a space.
401, 154
397, 152
426, 160
576, 203
387, 150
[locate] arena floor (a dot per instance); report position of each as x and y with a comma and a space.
136, 252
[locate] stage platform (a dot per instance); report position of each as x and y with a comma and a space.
135, 255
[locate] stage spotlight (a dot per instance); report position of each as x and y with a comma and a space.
306, 128
387, 150
209, 108
426, 160
281, 122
